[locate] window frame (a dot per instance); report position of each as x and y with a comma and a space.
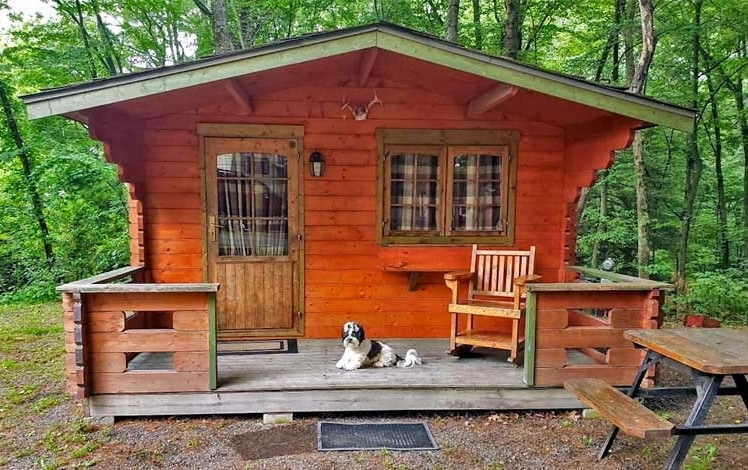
447, 144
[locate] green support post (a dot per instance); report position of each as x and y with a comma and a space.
530, 331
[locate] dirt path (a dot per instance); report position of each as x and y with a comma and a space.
467, 441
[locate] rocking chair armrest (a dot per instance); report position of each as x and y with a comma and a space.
458, 276
522, 280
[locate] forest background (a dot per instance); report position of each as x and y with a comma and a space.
673, 208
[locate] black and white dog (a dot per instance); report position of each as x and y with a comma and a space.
361, 352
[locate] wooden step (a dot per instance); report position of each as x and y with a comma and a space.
629, 415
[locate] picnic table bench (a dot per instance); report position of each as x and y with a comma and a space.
629, 415
708, 356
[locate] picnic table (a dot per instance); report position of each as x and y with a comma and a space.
708, 356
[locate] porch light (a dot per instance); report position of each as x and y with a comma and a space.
316, 163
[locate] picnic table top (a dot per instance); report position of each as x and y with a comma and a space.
721, 351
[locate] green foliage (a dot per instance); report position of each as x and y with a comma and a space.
703, 458
84, 203
719, 294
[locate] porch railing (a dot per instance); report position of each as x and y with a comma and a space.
575, 329
130, 337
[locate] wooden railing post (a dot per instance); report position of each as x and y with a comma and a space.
531, 303
109, 325
575, 329
212, 342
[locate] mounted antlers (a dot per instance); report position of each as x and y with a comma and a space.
360, 112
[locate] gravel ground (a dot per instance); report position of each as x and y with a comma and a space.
60, 438
467, 441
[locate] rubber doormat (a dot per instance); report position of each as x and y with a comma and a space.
257, 346
365, 436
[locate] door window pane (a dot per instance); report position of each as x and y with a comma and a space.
252, 204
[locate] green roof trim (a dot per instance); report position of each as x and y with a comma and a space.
560, 86
317, 46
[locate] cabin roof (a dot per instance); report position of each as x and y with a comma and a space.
395, 39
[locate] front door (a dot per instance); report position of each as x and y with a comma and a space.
252, 191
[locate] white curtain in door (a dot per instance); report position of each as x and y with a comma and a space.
252, 204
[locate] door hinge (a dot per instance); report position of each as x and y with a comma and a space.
300, 314
298, 237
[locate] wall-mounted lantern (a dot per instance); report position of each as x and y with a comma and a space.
316, 163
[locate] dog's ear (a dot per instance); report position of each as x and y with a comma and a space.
361, 333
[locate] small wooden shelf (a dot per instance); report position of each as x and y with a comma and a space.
423, 258
413, 260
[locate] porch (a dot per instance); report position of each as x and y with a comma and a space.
151, 349
307, 381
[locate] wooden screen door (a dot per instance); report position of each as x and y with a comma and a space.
252, 190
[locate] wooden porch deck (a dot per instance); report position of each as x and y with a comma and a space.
308, 382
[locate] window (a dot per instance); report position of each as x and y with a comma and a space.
447, 186
252, 204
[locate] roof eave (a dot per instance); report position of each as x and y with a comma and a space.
386, 37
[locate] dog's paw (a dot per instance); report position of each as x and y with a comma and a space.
339, 364
350, 366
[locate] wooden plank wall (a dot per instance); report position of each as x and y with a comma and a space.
111, 340
343, 276
591, 323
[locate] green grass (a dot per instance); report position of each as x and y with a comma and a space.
702, 458
32, 372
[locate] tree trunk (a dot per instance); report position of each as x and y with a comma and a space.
722, 240
249, 26
603, 221
735, 84
109, 57
512, 39
643, 232
693, 160
221, 33
628, 39
611, 45
636, 85
23, 154
77, 16
649, 42
478, 28
617, 19
737, 91
452, 16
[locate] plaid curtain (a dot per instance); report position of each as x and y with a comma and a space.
476, 193
414, 194
252, 204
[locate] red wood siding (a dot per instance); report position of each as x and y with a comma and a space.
343, 275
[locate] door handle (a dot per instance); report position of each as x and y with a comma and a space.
212, 227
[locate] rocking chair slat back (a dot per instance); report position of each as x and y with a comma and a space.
496, 289
496, 270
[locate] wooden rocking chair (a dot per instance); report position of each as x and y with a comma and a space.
497, 281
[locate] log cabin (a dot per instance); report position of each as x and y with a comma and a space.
280, 191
